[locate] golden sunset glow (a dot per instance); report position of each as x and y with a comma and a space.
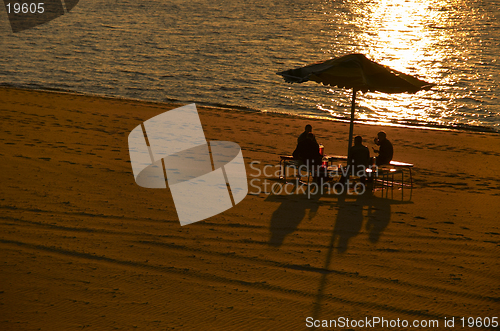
403, 32
403, 35
399, 27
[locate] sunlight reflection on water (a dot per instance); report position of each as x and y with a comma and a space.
436, 41
227, 53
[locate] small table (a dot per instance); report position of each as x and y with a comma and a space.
385, 171
393, 167
403, 166
289, 161
333, 158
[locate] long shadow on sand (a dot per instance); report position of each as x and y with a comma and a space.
350, 218
289, 214
348, 224
351, 212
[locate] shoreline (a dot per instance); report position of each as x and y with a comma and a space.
418, 126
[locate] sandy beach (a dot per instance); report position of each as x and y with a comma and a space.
83, 246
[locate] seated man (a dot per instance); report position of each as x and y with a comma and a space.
307, 151
360, 158
303, 135
385, 151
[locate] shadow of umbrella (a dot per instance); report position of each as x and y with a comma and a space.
348, 224
356, 72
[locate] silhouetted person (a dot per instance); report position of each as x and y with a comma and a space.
360, 158
385, 152
308, 150
303, 135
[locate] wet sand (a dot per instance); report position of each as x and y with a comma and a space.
82, 246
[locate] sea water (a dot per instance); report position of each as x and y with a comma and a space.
227, 53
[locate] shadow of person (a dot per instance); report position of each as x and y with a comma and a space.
289, 214
348, 223
350, 218
378, 218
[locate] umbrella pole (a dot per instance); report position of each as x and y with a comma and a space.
351, 126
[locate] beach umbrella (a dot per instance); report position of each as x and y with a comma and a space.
356, 72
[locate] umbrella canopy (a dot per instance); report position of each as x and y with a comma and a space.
356, 72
